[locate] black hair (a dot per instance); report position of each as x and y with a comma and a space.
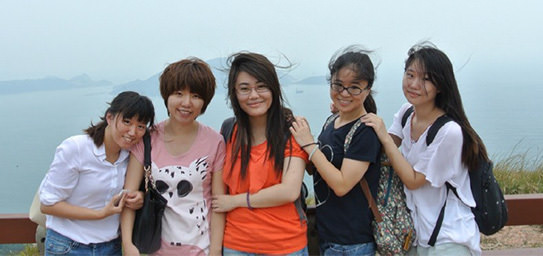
356, 59
439, 69
279, 118
126, 104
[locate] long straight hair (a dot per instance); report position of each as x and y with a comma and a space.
439, 69
279, 118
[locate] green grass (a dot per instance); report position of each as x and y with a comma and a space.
520, 174
29, 250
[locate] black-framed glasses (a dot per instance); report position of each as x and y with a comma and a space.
352, 90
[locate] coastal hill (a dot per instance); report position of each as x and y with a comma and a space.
148, 86
49, 84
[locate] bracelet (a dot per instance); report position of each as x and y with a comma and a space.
312, 152
248, 202
309, 144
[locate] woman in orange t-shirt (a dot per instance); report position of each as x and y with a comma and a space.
264, 166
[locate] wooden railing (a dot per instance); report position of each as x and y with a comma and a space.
526, 209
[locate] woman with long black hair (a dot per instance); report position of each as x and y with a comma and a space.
430, 87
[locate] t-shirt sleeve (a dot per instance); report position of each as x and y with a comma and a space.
219, 157
137, 151
442, 160
396, 127
297, 150
365, 145
63, 174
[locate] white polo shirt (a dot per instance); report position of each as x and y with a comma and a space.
81, 176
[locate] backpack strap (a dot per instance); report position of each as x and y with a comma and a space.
439, 221
363, 182
329, 120
371, 200
406, 115
227, 128
438, 123
432, 132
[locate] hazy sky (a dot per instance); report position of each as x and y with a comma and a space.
122, 41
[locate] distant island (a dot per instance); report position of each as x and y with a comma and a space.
49, 84
148, 86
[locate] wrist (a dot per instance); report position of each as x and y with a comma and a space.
310, 148
388, 141
311, 151
100, 214
248, 199
309, 144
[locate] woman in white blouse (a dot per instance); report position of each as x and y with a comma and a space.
430, 88
81, 193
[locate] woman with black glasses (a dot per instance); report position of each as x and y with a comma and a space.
342, 213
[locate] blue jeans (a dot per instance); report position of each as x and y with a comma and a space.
228, 251
57, 244
332, 249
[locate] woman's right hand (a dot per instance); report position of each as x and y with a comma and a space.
114, 206
375, 122
301, 131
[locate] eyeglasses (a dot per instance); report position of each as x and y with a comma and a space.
246, 90
352, 90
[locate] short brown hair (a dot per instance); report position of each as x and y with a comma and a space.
191, 72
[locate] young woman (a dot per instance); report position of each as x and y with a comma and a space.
80, 193
187, 158
343, 216
264, 166
430, 88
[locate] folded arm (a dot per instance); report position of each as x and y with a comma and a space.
285, 192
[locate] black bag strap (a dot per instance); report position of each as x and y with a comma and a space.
146, 160
146, 150
372, 204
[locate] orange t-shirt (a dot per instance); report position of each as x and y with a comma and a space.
272, 230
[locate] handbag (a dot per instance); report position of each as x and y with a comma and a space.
35, 214
147, 230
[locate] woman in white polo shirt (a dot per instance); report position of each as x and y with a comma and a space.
81, 192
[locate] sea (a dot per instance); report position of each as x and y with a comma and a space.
508, 119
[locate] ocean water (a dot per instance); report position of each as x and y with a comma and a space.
508, 119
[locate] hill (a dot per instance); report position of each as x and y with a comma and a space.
49, 84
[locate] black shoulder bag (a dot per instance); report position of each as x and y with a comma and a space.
148, 222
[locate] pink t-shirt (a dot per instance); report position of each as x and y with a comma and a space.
185, 181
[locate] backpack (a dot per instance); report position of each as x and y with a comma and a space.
393, 229
490, 209
227, 128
